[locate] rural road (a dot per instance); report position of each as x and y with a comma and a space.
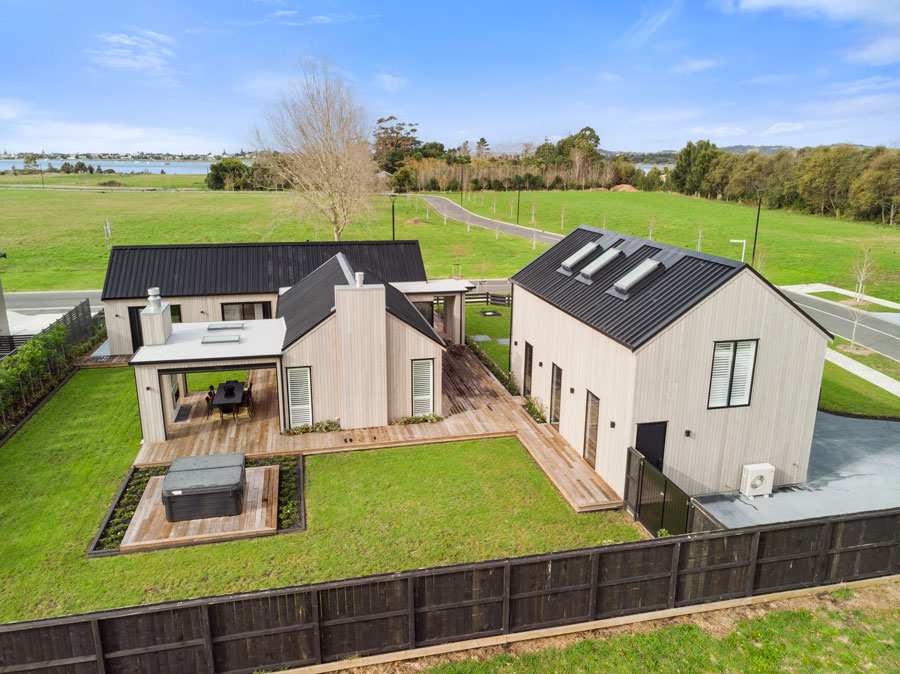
50, 302
872, 333
451, 209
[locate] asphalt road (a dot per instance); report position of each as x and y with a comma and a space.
50, 302
451, 209
872, 332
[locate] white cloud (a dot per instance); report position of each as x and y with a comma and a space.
880, 17
326, 19
10, 108
772, 78
720, 131
867, 84
140, 50
284, 12
609, 77
650, 21
389, 82
782, 127
695, 65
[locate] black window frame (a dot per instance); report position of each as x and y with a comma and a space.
266, 305
728, 405
528, 366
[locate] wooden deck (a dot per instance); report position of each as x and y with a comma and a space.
475, 404
91, 362
149, 527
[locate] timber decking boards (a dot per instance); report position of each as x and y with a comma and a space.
476, 407
149, 527
90, 362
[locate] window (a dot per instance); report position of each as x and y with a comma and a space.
422, 387
299, 396
175, 309
526, 378
591, 426
732, 373
246, 311
555, 395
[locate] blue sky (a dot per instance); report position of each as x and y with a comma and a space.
194, 76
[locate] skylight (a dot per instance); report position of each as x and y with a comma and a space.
225, 326
579, 255
627, 282
598, 264
220, 339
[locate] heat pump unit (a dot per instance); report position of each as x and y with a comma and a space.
757, 479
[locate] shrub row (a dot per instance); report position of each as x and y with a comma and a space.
505, 378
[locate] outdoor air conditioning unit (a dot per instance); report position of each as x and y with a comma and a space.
757, 479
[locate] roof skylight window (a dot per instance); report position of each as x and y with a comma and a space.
579, 255
632, 278
598, 264
220, 339
225, 326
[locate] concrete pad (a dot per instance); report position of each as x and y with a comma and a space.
854, 467
481, 338
503, 340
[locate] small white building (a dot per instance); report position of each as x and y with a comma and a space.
695, 360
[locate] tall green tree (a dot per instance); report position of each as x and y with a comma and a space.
876, 192
394, 141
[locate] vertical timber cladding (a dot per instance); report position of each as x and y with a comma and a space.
328, 622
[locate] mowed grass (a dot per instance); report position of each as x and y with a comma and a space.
783, 641
876, 361
844, 392
493, 326
843, 299
146, 180
54, 240
792, 248
368, 512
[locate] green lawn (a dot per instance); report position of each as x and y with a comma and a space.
145, 180
368, 512
876, 361
794, 248
840, 298
54, 240
845, 392
784, 641
493, 326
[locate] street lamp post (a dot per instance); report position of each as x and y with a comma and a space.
393, 232
759, 194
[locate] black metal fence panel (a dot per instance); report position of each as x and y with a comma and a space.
78, 324
327, 622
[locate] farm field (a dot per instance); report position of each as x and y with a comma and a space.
145, 180
54, 240
367, 512
792, 248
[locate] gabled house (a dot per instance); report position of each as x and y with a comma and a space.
695, 360
343, 343
242, 281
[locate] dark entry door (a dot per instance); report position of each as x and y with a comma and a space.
651, 441
555, 395
526, 378
591, 423
134, 321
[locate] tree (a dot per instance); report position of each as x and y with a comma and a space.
691, 166
481, 147
877, 190
66, 167
31, 162
316, 141
80, 167
394, 141
403, 179
862, 271
231, 174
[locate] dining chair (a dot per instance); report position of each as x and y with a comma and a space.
227, 409
209, 407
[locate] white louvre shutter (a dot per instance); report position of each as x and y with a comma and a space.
744, 357
721, 374
299, 396
422, 387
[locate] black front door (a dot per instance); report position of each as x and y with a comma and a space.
526, 378
651, 442
134, 321
555, 395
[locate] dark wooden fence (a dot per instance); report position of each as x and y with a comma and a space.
660, 504
327, 622
494, 299
78, 324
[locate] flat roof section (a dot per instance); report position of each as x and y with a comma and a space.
854, 467
256, 339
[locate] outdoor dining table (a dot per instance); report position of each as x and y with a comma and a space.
222, 398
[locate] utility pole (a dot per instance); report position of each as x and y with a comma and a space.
759, 194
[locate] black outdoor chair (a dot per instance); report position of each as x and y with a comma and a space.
209, 407
228, 409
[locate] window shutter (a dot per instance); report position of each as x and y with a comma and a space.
422, 387
744, 358
721, 374
299, 396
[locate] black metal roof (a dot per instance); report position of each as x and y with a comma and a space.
311, 300
683, 279
246, 268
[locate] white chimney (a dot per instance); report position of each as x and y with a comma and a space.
153, 301
359, 279
156, 319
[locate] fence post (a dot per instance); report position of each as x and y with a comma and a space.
827, 532
751, 569
506, 591
895, 550
411, 606
207, 639
673, 579
595, 571
98, 647
640, 490
317, 638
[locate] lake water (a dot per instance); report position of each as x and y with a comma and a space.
121, 166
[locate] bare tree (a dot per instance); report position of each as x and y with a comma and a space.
699, 235
651, 225
315, 140
862, 272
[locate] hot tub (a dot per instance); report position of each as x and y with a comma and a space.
197, 487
